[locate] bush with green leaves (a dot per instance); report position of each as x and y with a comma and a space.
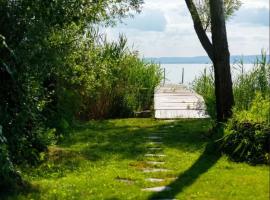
247, 141
104, 80
247, 133
122, 83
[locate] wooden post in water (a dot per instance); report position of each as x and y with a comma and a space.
204, 77
183, 74
164, 76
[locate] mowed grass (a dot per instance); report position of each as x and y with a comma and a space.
105, 159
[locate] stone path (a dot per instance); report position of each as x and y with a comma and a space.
156, 163
154, 155
157, 189
155, 179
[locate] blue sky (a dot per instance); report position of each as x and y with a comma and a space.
165, 28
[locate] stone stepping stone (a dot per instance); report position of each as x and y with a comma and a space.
155, 162
154, 155
155, 170
154, 148
157, 189
154, 137
154, 180
155, 143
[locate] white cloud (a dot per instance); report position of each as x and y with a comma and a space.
255, 3
177, 37
248, 39
149, 20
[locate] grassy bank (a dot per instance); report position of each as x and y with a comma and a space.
104, 160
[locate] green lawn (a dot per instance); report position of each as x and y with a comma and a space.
104, 160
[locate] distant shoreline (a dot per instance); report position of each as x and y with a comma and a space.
250, 59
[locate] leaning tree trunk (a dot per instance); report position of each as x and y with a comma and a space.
218, 52
221, 61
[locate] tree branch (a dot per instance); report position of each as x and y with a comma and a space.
201, 33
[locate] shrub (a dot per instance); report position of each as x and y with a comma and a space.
247, 141
247, 133
110, 81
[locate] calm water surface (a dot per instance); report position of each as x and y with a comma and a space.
191, 71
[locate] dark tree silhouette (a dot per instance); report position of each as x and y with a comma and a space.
217, 49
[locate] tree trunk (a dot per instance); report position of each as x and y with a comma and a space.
221, 61
218, 52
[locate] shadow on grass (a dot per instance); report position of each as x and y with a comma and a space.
207, 159
105, 138
12, 193
125, 139
187, 178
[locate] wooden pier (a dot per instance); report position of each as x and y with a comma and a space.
176, 101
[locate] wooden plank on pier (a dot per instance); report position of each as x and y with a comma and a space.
176, 101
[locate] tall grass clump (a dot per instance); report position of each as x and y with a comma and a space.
247, 133
110, 81
247, 84
204, 85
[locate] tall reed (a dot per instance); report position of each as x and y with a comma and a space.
245, 84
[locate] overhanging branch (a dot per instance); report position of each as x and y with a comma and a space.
201, 33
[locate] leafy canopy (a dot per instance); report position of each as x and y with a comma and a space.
203, 8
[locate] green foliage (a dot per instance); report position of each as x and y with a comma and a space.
109, 79
247, 134
259, 111
247, 84
205, 86
43, 68
8, 174
247, 141
203, 8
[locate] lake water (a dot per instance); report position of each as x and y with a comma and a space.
173, 72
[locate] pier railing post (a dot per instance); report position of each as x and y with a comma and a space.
164, 76
183, 75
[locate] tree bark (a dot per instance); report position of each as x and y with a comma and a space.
221, 61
